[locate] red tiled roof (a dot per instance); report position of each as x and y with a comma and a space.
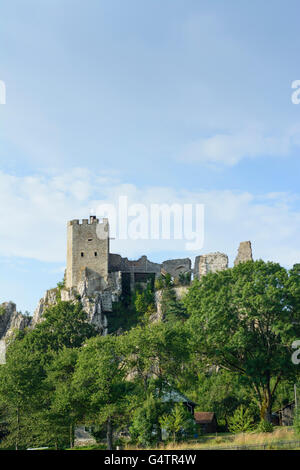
204, 417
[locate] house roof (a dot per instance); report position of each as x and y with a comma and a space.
176, 397
204, 417
289, 405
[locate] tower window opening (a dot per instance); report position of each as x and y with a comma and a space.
82, 254
90, 239
96, 254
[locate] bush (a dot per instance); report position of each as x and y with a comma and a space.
241, 421
178, 424
297, 423
265, 426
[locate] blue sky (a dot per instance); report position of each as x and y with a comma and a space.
167, 101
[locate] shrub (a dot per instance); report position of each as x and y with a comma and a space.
265, 426
241, 421
297, 423
179, 424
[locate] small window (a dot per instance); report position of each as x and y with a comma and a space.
90, 239
95, 253
82, 254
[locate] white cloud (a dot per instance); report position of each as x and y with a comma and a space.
34, 211
230, 148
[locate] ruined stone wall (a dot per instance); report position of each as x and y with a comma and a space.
244, 253
144, 265
177, 266
86, 249
141, 265
210, 263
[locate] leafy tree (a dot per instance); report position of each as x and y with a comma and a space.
184, 279
99, 383
296, 423
31, 401
64, 325
172, 309
164, 280
155, 351
222, 392
63, 410
244, 320
241, 421
178, 423
20, 383
144, 299
145, 428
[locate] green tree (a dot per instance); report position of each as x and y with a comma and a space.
172, 309
20, 384
63, 410
297, 423
241, 421
222, 392
99, 383
24, 386
244, 320
144, 299
155, 351
145, 428
179, 423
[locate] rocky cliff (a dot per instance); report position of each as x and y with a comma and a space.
10, 321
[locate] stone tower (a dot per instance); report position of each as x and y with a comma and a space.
87, 248
244, 253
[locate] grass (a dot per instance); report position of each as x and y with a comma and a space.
222, 441
228, 440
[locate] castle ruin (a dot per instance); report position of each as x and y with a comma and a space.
99, 278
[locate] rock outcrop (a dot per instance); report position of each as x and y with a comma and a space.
10, 321
95, 294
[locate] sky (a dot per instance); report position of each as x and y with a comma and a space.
164, 102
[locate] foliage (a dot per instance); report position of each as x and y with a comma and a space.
241, 421
32, 392
179, 423
265, 426
244, 319
99, 384
155, 351
164, 280
184, 279
127, 315
226, 345
172, 309
221, 392
297, 423
144, 299
145, 429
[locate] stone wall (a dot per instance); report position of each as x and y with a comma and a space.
244, 253
87, 247
144, 265
210, 263
141, 265
177, 266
